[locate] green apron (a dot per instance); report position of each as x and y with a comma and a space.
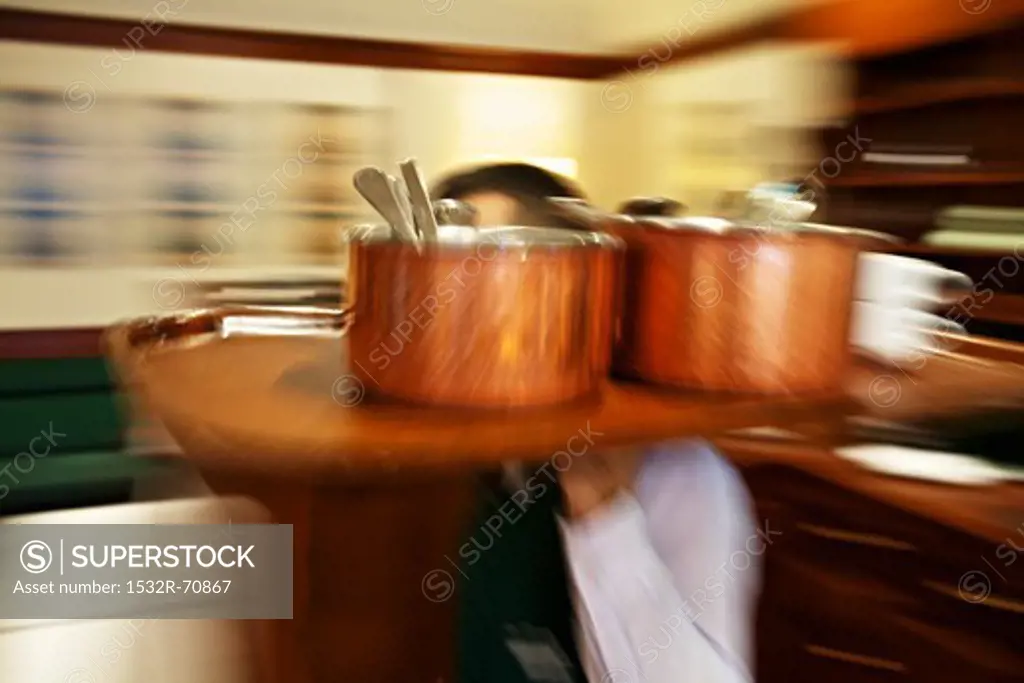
515, 613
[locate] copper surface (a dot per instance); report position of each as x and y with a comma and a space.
475, 326
764, 312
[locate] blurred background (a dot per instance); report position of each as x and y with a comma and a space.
151, 163
125, 165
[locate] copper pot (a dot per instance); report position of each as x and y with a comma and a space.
716, 306
490, 317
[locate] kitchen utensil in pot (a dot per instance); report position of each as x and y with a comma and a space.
422, 210
376, 187
401, 195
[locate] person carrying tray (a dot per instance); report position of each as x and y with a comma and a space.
626, 567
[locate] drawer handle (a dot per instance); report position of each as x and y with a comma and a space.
851, 658
993, 601
855, 537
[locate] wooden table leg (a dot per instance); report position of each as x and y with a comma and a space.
362, 549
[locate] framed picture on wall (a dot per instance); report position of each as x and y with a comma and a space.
163, 184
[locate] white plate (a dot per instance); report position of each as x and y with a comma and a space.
767, 433
937, 466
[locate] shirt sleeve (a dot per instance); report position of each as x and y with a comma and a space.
635, 627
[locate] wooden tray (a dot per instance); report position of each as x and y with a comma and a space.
268, 389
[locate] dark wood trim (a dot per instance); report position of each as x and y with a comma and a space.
911, 177
73, 342
927, 94
66, 29
722, 41
926, 250
865, 29
862, 28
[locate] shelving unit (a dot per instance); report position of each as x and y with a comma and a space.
966, 96
956, 98
990, 175
925, 95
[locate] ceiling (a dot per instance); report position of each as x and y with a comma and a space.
574, 26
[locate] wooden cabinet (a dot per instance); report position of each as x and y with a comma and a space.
857, 589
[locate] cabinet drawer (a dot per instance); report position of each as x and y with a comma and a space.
977, 603
858, 536
851, 549
823, 663
805, 594
944, 653
798, 652
815, 497
808, 612
896, 649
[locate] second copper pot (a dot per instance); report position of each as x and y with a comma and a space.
737, 310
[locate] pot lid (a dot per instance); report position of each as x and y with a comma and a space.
723, 226
772, 210
502, 236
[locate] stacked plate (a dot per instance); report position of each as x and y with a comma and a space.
896, 314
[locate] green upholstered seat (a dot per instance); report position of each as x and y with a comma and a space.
75, 422
86, 479
62, 427
25, 377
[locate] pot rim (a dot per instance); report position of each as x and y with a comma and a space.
711, 227
503, 237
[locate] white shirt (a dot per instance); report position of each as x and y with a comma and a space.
666, 582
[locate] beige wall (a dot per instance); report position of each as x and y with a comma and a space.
648, 22
783, 92
445, 120
637, 125
448, 120
582, 26
625, 136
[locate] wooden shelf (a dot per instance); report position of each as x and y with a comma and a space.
921, 249
911, 177
928, 94
1007, 309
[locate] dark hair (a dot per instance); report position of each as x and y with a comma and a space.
529, 186
652, 206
